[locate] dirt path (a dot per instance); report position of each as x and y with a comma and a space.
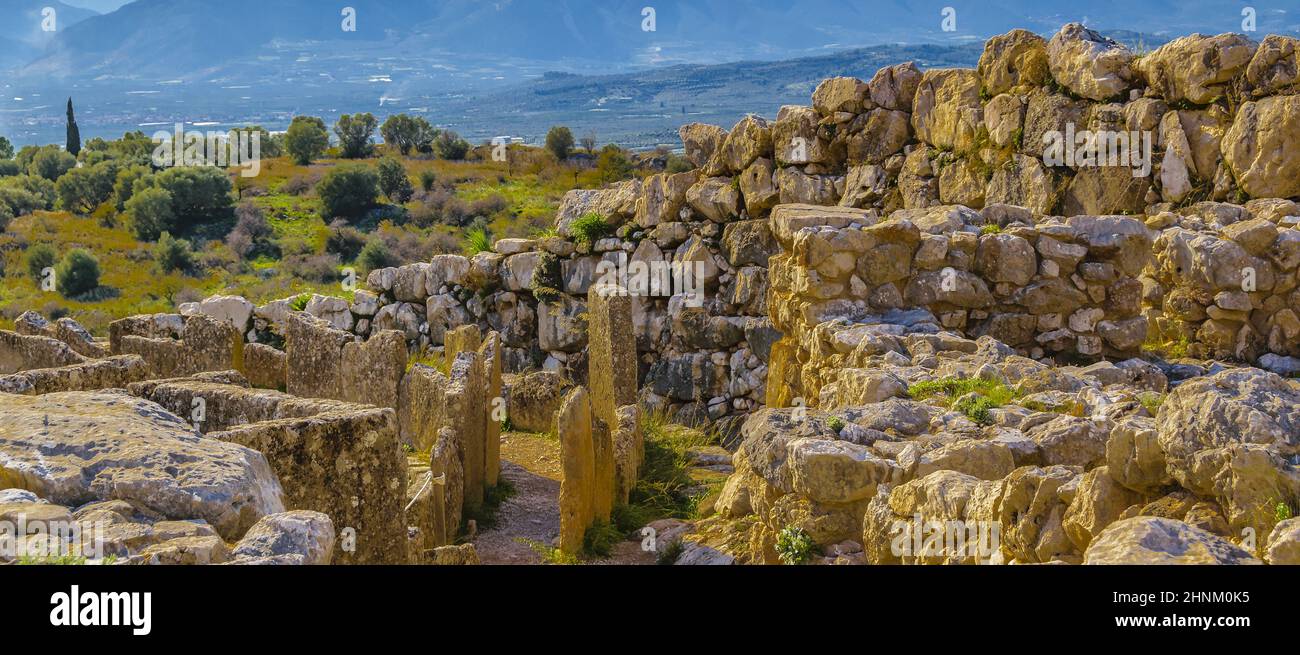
531, 464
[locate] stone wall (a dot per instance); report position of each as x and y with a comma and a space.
1054, 287
108, 373
64, 329
20, 352
203, 344
1224, 280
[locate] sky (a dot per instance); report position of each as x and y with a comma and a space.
102, 6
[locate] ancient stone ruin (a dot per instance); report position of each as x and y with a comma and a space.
1055, 298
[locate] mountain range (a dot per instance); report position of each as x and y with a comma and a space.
187, 38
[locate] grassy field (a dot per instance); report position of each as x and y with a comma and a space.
514, 199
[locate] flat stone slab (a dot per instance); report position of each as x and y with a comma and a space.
77, 447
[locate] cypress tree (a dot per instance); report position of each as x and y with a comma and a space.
74, 134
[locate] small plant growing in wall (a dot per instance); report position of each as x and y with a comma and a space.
590, 228
836, 423
546, 278
794, 546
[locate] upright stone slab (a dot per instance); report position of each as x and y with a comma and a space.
373, 370
315, 356
578, 462
490, 353
611, 353
467, 414
444, 462
421, 407
465, 338
602, 488
629, 450
347, 465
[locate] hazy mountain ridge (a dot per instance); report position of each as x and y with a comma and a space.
176, 38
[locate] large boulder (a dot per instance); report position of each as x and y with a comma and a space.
1231, 437
78, 447
1260, 147
701, 141
1153, 540
1195, 68
947, 111
300, 534
1013, 61
1089, 64
838, 471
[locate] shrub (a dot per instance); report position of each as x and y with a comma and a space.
614, 165
81, 190
19, 202
678, 164
356, 134
406, 133
124, 185
393, 181
251, 232
41, 192
546, 279
299, 184
590, 228
313, 268
9, 168
348, 191
559, 141
450, 146
77, 274
794, 546
489, 206
151, 213
306, 139
374, 256
51, 163
173, 254
6, 215
600, 539
200, 195
427, 179
40, 257
344, 241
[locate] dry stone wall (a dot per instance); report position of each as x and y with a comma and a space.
1050, 173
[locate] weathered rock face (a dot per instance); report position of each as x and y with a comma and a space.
206, 344
1150, 540
1273, 68
1013, 62
74, 448
1089, 64
301, 535
109, 373
23, 353
1231, 437
533, 399
947, 111
1260, 147
1196, 69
